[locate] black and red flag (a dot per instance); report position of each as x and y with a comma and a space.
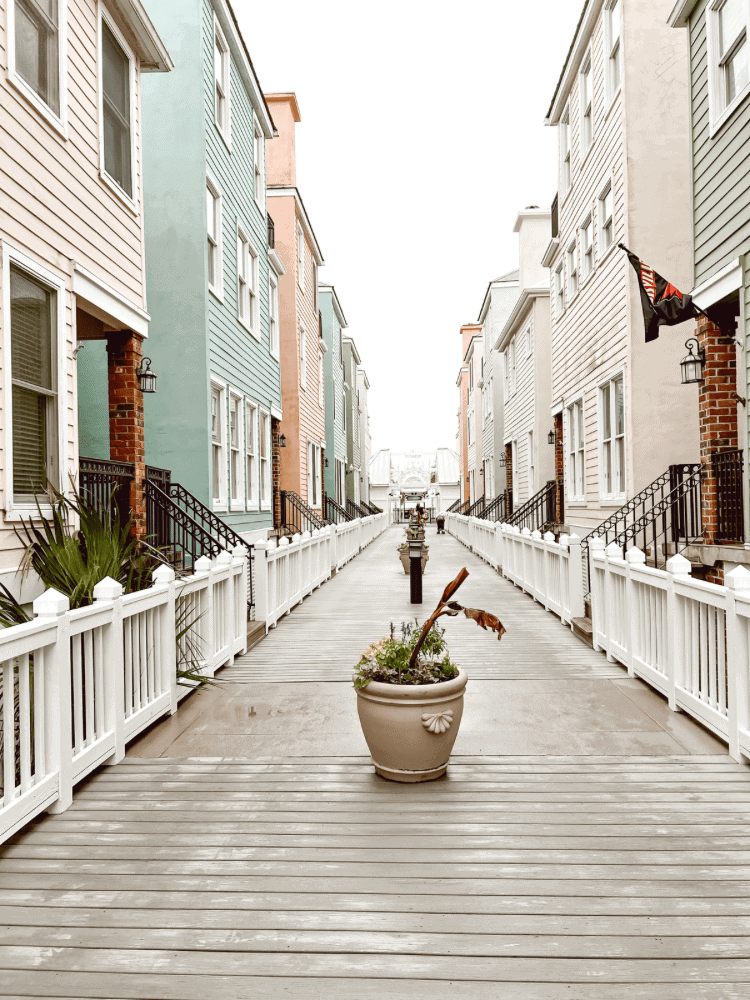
663, 304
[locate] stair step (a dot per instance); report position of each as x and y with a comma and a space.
255, 632
583, 629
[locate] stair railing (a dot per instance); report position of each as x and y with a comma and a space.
334, 512
355, 510
538, 509
475, 510
296, 515
453, 509
496, 510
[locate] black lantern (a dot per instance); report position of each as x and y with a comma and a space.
551, 437
146, 378
282, 441
692, 364
326, 463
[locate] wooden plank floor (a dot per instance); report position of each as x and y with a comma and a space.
326, 634
527, 877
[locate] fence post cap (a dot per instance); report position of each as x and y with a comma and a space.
549, 536
261, 544
597, 544
108, 589
296, 537
51, 602
240, 551
573, 539
285, 540
564, 540
613, 551
202, 565
315, 532
679, 566
162, 574
223, 558
738, 579
536, 533
635, 555
526, 533
306, 534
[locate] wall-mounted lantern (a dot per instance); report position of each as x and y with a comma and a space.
282, 441
326, 463
146, 378
693, 363
551, 436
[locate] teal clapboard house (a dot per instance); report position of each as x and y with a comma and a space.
333, 323
212, 277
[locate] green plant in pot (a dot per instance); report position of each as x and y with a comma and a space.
410, 695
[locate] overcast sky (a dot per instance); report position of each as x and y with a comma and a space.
421, 136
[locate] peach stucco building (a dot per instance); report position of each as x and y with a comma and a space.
302, 349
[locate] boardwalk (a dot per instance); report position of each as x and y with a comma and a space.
290, 870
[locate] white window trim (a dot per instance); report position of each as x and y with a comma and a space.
252, 323
610, 499
59, 123
583, 278
260, 196
300, 256
273, 283
610, 92
717, 114
221, 503
225, 135
560, 289
572, 246
239, 503
302, 356
132, 202
321, 380
11, 255
574, 499
530, 465
266, 501
586, 61
217, 290
609, 186
252, 503
565, 123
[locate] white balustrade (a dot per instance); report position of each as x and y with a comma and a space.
77, 685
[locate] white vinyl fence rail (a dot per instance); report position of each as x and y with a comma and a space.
688, 639
285, 573
76, 686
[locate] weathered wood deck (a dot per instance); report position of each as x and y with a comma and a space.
583, 877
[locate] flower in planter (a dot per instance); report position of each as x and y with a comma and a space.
421, 657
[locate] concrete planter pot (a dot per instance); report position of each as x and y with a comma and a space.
403, 551
411, 728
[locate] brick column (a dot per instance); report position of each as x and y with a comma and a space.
276, 470
126, 431
717, 410
559, 470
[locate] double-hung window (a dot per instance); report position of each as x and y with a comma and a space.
251, 456
35, 52
565, 175
728, 25
606, 220
529, 341
612, 440
512, 350
559, 291
313, 474
302, 356
530, 478
273, 314
236, 426
571, 256
117, 125
612, 33
33, 378
586, 105
258, 164
470, 427
315, 285
321, 377
247, 281
218, 447
576, 490
213, 226
221, 83
343, 410
265, 460
587, 246
300, 257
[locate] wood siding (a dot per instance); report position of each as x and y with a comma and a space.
521, 405
334, 390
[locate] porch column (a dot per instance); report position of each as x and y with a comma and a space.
509, 474
717, 414
126, 431
559, 470
276, 470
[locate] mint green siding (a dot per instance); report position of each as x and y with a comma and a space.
93, 400
334, 389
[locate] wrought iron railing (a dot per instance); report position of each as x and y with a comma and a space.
334, 512
370, 507
538, 509
496, 510
355, 510
661, 520
475, 510
162, 477
463, 507
727, 470
453, 509
296, 516
271, 233
107, 484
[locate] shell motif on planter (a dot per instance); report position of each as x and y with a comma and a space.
410, 729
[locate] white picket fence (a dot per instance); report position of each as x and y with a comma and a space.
285, 573
83, 683
688, 639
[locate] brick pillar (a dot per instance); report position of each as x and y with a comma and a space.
126, 431
559, 470
717, 410
276, 470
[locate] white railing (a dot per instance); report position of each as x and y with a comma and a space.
78, 685
287, 571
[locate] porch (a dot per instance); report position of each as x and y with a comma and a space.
587, 841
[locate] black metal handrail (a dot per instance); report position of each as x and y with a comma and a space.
162, 477
476, 508
538, 509
730, 503
334, 512
662, 512
369, 507
355, 510
107, 484
204, 516
453, 509
271, 233
296, 516
463, 507
496, 510
174, 531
